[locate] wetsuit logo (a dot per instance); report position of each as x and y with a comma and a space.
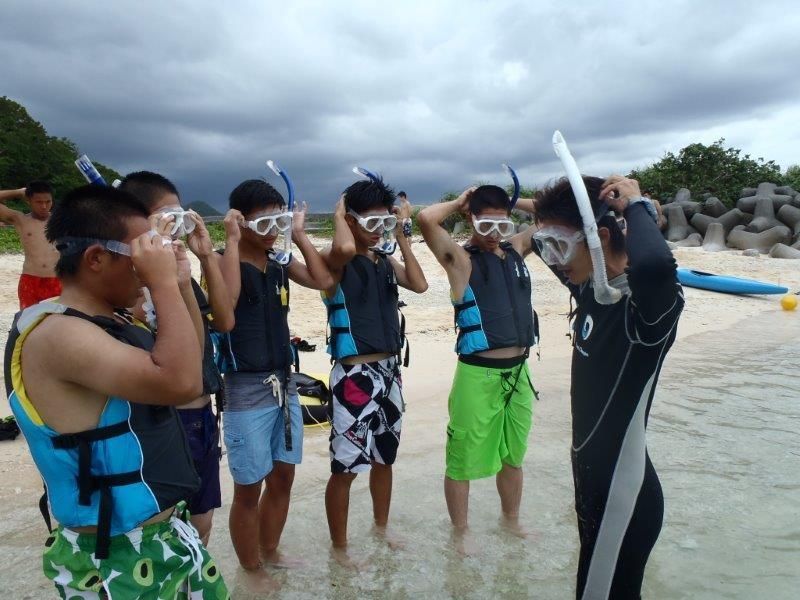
588, 325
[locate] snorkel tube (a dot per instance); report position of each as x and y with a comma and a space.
513, 175
89, 171
281, 251
603, 293
388, 243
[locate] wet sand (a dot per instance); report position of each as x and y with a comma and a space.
730, 529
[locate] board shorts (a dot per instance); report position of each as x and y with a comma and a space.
491, 412
164, 560
202, 433
367, 415
32, 289
255, 437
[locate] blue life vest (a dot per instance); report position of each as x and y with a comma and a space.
495, 311
259, 340
363, 314
132, 466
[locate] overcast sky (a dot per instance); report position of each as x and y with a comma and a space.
434, 95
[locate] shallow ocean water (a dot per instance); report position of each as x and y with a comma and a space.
723, 436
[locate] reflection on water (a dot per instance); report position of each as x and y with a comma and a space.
723, 436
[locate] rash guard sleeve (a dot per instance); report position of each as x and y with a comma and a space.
657, 297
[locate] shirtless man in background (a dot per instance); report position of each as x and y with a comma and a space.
38, 279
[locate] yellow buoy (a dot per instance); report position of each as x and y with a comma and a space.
789, 302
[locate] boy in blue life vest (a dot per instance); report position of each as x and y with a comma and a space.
366, 339
94, 396
491, 401
161, 198
263, 424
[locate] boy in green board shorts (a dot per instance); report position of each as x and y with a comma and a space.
491, 401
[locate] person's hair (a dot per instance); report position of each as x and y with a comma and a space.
253, 195
38, 187
91, 211
557, 203
488, 196
369, 194
402, 194
148, 187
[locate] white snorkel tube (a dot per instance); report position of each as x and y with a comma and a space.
388, 242
603, 293
281, 251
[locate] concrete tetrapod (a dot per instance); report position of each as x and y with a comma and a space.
790, 215
729, 220
694, 240
748, 204
713, 207
784, 251
763, 216
715, 238
677, 226
744, 240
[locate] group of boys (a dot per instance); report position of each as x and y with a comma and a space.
99, 368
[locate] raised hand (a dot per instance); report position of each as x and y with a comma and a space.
199, 240
153, 260
618, 191
299, 218
233, 222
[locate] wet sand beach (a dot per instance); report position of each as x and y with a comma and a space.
722, 435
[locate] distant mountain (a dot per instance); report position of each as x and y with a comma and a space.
203, 209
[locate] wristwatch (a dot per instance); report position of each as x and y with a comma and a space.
649, 206
407, 227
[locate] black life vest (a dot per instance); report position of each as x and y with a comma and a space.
363, 315
212, 380
496, 310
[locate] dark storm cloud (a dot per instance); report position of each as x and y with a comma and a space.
434, 95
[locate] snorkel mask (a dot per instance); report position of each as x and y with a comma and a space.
504, 227
603, 293
89, 171
388, 242
182, 222
281, 251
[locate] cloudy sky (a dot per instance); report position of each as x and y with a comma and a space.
434, 95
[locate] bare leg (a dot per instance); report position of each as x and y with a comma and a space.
243, 524
337, 506
456, 493
273, 510
380, 487
509, 486
202, 523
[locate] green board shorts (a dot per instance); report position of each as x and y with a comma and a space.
490, 417
165, 560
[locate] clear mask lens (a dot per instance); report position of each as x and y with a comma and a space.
557, 246
182, 222
279, 223
504, 227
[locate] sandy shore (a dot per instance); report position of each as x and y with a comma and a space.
430, 328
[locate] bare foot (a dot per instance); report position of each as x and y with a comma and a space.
257, 581
512, 526
464, 543
341, 556
395, 542
276, 559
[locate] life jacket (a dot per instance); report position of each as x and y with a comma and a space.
132, 466
363, 314
495, 311
212, 380
259, 340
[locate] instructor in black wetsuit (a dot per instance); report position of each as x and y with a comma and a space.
618, 352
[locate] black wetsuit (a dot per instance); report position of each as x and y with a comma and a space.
617, 357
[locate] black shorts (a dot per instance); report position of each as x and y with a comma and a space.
202, 433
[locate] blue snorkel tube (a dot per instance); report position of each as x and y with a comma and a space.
388, 242
513, 175
89, 171
282, 252
603, 293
